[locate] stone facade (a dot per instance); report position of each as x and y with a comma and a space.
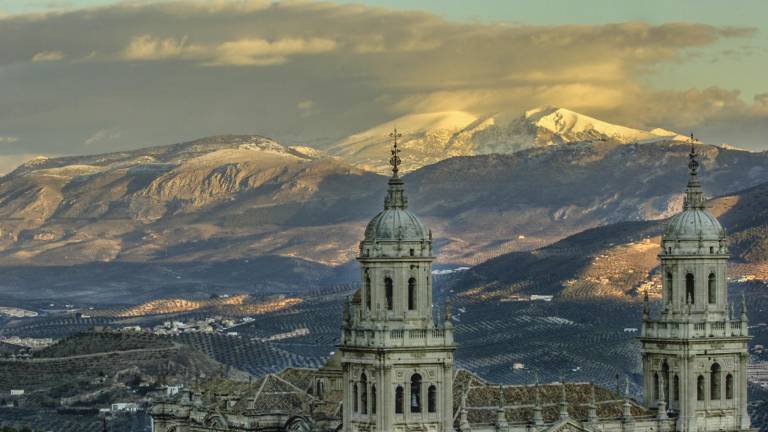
394, 369
695, 350
397, 362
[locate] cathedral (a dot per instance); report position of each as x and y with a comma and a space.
394, 368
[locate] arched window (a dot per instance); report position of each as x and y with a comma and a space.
714, 385
700, 388
729, 386
355, 402
364, 394
670, 291
412, 294
373, 398
690, 295
655, 386
367, 291
320, 389
676, 389
399, 400
389, 292
415, 393
432, 399
712, 289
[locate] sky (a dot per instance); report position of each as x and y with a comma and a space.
91, 76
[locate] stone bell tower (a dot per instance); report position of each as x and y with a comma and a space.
397, 362
695, 352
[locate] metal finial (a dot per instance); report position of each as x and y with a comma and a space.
693, 164
395, 159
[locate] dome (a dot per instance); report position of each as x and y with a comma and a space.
694, 224
396, 224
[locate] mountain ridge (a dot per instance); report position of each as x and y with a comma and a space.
431, 137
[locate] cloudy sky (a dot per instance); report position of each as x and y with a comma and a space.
88, 76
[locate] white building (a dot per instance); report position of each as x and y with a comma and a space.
394, 369
695, 352
397, 362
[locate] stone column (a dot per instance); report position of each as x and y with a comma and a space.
742, 385
446, 413
387, 405
347, 400
689, 407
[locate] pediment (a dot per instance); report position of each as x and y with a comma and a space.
569, 425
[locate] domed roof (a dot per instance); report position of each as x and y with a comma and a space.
694, 224
396, 224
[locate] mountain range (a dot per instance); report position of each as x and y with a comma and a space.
431, 137
218, 201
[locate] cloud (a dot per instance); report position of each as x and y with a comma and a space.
148, 47
139, 65
48, 56
240, 52
101, 136
260, 51
8, 139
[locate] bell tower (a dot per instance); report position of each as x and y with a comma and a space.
397, 363
695, 352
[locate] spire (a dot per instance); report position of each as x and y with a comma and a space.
395, 159
694, 198
743, 307
501, 415
592, 408
538, 419
396, 193
448, 315
627, 415
563, 401
463, 419
346, 313
646, 307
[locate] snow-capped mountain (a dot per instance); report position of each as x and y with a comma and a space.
432, 137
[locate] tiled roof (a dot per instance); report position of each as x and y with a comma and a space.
483, 400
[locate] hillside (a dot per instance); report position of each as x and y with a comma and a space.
243, 213
484, 206
618, 260
431, 137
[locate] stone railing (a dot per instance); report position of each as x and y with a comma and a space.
383, 337
693, 330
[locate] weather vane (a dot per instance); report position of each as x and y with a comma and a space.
693, 165
395, 159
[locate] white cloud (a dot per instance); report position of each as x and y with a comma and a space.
129, 64
8, 139
148, 47
256, 51
103, 135
238, 52
48, 56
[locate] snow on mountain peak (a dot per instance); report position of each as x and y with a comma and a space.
431, 137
